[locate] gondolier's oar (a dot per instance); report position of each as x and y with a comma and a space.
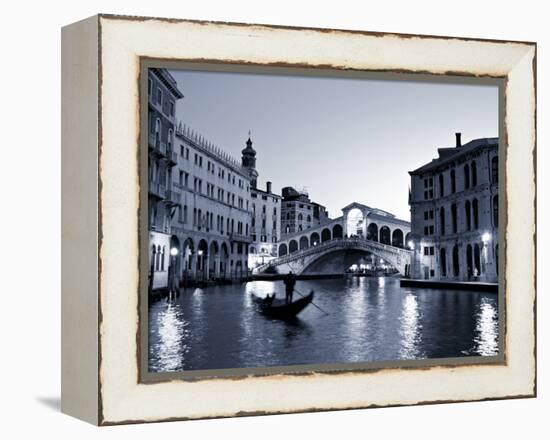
302, 295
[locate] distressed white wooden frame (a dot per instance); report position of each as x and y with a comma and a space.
101, 199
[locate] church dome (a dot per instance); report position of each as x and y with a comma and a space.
248, 151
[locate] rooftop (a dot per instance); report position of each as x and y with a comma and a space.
262, 191
447, 155
168, 80
373, 211
200, 142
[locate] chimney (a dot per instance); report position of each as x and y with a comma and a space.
268, 187
458, 140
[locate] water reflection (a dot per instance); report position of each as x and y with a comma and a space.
172, 335
370, 319
486, 335
356, 314
410, 328
260, 288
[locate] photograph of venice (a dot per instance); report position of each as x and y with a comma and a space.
307, 220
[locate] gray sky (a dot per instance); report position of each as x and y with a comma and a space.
344, 140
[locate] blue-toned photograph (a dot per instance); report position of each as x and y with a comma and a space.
307, 220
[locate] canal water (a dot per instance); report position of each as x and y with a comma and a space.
370, 319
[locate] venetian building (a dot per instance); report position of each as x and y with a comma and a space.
199, 199
299, 212
454, 205
211, 226
249, 162
265, 226
163, 93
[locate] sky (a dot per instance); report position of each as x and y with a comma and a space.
344, 140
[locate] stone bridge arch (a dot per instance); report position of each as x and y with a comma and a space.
338, 261
375, 225
301, 260
358, 221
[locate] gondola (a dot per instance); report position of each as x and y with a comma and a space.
278, 308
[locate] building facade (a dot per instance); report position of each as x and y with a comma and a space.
454, 203
211, 225
199, 199
299, 213
265, 226
163, 93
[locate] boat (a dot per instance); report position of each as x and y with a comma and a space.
280, 309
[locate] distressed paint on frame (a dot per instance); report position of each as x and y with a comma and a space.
246, 412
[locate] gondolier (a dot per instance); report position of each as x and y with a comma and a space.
290, 282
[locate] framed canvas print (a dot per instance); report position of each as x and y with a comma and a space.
263, 220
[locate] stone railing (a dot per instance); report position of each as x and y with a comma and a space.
337, 243
157, 189
156, 145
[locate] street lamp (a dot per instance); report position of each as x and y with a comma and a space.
200, 265
485, 238
172, 270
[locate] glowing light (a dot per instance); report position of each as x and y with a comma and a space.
200, 252
172, 346
486, 237
174, 251
410, 328
260, 288
411, 245
486, 340
381, 261
355, 220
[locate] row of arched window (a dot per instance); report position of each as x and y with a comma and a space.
383, 235
473, 260
471, 214
471, 209
300, 217
470, 176
314, 239
158, 257
157, 132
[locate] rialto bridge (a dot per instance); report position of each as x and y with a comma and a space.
360, 232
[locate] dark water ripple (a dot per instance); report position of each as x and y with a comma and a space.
371, 319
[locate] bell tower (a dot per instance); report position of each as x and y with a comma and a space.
249, 161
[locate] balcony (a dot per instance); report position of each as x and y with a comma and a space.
240, 238
173, 197
172, 156
156, 146
156, 189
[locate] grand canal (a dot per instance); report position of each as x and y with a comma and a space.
370, 319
